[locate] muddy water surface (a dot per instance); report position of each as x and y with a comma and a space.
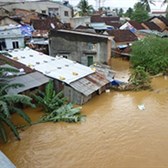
116, 134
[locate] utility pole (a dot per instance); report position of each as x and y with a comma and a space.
99, 3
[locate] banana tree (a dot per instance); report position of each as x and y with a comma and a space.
49, 99
9, 105
56, 106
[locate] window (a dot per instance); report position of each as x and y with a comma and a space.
2, 44
66, 13
53, 11
15, 44
90, 46
65, 56
89, 60
43, 11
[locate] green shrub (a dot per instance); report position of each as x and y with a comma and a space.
152, 54
139, 79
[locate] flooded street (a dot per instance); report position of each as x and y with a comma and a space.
116, 134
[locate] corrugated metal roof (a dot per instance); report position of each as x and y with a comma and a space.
82, 33
89, 84
56, 67
30, 81
101, 26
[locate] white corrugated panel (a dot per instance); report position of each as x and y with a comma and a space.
57, 68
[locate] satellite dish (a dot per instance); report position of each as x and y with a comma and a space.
52, 25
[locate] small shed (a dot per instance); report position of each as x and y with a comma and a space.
82, 90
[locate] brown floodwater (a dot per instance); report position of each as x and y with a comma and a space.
116, 133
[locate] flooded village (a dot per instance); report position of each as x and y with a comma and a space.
79, 68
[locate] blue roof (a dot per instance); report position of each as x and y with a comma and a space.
26, 30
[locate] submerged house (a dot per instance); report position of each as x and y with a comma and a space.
121, 42
85, 48
131, 25
122, 38
79, 83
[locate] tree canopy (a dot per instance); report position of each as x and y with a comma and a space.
85, 8
140, 14
150, 54
129, 12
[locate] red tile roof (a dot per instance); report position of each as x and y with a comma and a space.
152, 26
163, 19
136, 25
99, 18
122, 35
46, 24
116, 25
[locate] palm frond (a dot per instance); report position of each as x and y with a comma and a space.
8, 86
38, 99
3, 134
49, 91
11, 125
18, 99
8, 69
4, 108
22, 114
66, 113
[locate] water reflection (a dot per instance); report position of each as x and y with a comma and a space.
116, 133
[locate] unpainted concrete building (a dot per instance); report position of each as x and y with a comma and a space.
85, 48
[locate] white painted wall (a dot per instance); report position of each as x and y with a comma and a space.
76, 21
9, 42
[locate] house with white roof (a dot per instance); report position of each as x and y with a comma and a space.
79, 82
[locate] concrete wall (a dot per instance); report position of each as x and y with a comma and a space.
78, 47
76, 21
43, 6
12, 35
